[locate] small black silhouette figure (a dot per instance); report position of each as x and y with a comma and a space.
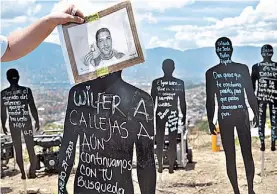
265, 75
17, 101
109, 116
231, 83
168, 90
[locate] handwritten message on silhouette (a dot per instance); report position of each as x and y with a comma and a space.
230, 84
108, 125
16, 102
168, 91
264, 78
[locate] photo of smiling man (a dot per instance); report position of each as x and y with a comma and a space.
108, 42
106, 52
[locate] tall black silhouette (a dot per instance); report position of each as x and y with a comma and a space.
168, 90
109, 116
230, 83
17, 101
264, 74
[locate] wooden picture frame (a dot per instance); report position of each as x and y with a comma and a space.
131, 60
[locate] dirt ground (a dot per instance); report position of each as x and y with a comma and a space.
206, 175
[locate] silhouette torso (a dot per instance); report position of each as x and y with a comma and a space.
109, 121
167, 90
228, 82
266, 75
16, 99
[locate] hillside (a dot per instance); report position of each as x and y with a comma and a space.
45, 65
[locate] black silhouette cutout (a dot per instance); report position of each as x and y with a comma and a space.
168, 90
109, 116
264, 74
17, 101
231, 83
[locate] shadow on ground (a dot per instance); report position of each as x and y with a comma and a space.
5, 190
190, 166
10, 173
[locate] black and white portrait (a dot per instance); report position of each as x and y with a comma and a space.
103, 42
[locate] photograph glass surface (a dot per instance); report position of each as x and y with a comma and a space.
103, 42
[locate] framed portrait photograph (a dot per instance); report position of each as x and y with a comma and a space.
107, 42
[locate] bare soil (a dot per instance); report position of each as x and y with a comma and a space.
206, 175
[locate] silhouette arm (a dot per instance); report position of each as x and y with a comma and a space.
210, 100
32, 105
154, 92
250, 92
183, 103
146, 169
3, 113
68, 147
254, 76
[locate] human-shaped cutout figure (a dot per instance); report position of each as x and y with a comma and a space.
18, 102
230, 83
167, 90
264, 74
109, 116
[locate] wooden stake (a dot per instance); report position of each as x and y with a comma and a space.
262, 164
25, 186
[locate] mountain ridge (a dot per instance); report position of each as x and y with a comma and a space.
45, 65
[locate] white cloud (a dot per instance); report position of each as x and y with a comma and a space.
91, 6
254, 26
17, 20
15, 8
160, 5
141, 8
34, 10
88, 7
210, 19
155, 41
53, 37
147, 17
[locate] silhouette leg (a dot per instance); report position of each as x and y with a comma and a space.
228, 142
17, 143
244, 135
273, 117
261, 123
172, 149
29, 140
160, 130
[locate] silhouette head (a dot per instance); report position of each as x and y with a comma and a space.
13, 76
104, 41
224, 49
168, 67
267, 52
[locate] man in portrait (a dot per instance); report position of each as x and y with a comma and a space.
105, 45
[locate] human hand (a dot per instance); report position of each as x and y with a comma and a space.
89, 58
37, 126
64, 192
212, 128
183, 121
5, 130
255, 121
93, 50
67, 15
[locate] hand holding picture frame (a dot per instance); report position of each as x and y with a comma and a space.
107, 42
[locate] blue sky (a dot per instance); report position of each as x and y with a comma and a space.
178, 24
